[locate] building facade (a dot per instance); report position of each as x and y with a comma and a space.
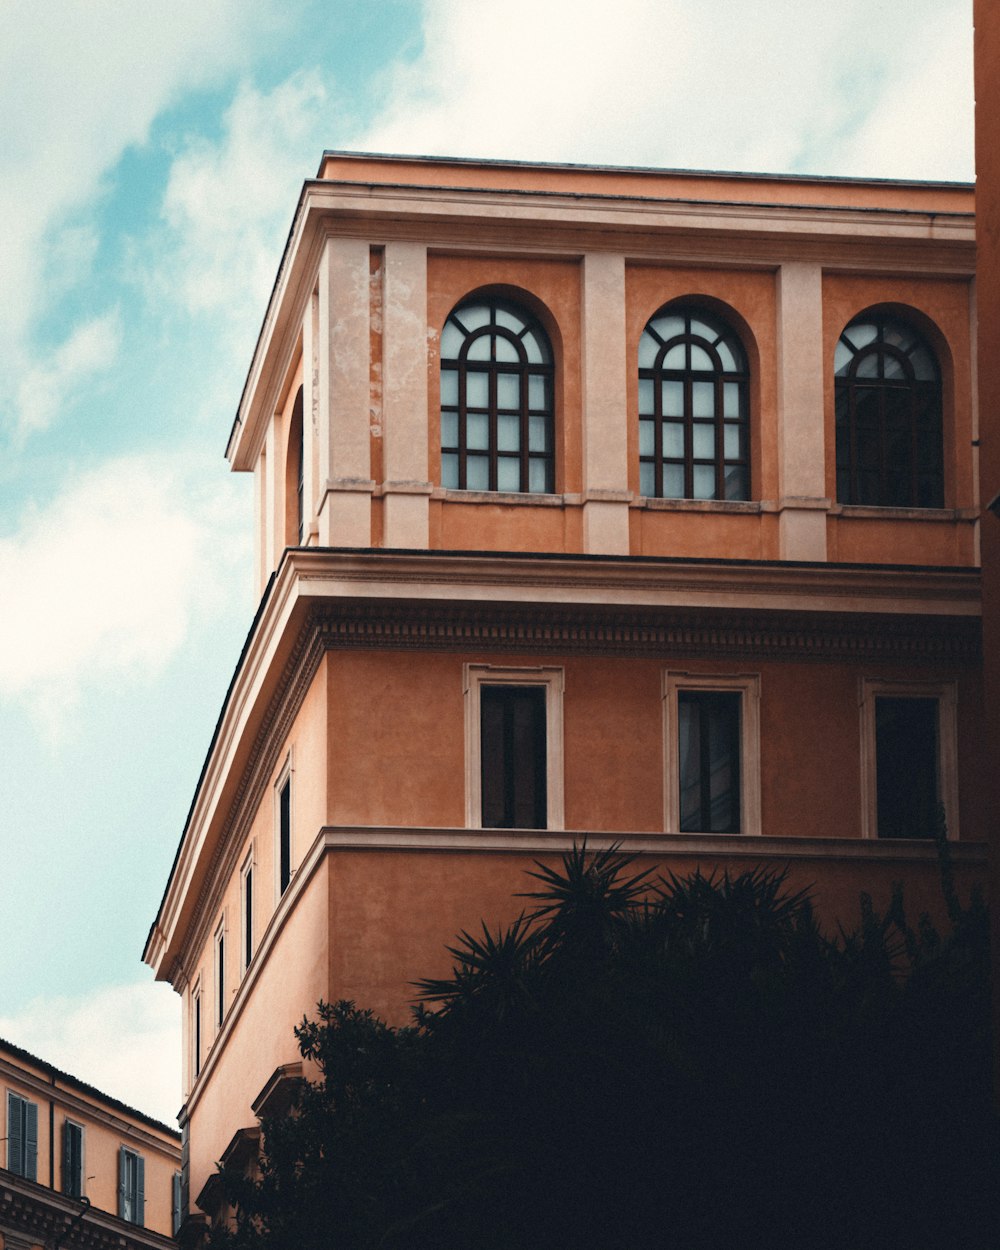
633, 506
80, 1169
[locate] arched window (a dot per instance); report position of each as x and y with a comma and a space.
496, 399
888, 415
693, 408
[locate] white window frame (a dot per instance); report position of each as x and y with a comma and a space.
747, 685
83, 1155
552, 680
285, 775
946, 694
220, 942
249, 869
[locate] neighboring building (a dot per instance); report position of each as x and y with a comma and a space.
621, 504
79, 1167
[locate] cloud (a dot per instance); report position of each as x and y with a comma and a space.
104, 580
141, 1067
91, 348
681, 83
227, 205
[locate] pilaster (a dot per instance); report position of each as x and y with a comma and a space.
343, 385
605, 406
803, 502
406, 498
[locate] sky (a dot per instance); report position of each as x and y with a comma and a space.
151, 156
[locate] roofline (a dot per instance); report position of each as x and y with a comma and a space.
672, 172
68, 1078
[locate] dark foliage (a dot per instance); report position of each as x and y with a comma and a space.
652, 1063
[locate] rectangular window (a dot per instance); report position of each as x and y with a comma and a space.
196, 1030
284, 835
708, 748
514, 755
246, 896
131, 1186
220, 974
72, 1159
712, 753
909, 753
22, 1136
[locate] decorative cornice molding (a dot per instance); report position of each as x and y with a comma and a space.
40, 1215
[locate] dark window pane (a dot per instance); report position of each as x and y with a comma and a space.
709, 761
285, 835
906, 754
512, 748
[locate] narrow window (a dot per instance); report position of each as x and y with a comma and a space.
709, 761
196, 1029
247, 894
285, 835
906, 767
496, 400
131, 1186
22, 1136
220, 975
513, 756
693, 408
888, 416
72, 1159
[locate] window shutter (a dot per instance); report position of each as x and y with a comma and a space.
140, 1190
14, 1134
121, 1182
67, 1159
175, 1203
31, 1141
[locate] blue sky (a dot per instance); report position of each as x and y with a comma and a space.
150, 160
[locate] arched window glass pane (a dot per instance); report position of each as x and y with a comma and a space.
496, 388
888, 416
693, 428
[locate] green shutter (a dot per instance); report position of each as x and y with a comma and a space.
140, 1190
67, 1159
121, 1182
175, 1203
15, 1133
31, 1140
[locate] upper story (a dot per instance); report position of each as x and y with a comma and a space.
471, 356
64, 1141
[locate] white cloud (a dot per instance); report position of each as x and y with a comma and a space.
681, 83
228, 204
91, 348
105, 579
79, 84
123, 1039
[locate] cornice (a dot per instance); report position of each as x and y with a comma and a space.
42, 1215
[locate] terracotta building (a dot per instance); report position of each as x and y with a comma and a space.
631, 505
78, 1167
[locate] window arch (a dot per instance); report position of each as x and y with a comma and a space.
888, 415
693, 408
496, 399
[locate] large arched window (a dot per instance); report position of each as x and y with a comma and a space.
496, 399
888, 414
693, 408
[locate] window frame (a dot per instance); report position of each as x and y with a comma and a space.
920, 396
552, 680
26, 1138
284, 779
219, 944
946, 694
197, 1028
718, 377
68, 1124
137, 1197
248, 877
493, 369
747, 685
